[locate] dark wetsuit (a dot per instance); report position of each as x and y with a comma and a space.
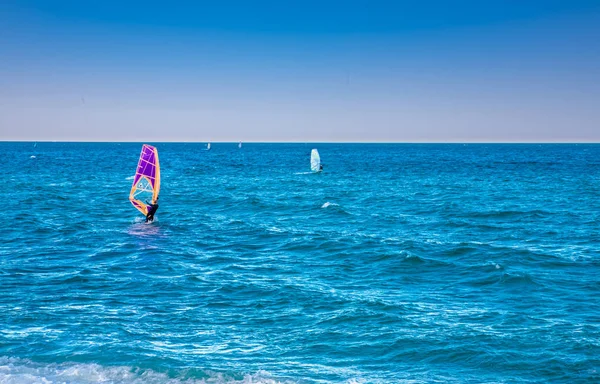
320, 167
151, 211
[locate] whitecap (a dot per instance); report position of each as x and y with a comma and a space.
63, 184
328, 204
356, 381
27, 332
22, 371
494, 264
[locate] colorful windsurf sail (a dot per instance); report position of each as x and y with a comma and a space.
146, 182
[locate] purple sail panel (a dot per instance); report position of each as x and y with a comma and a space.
146, 165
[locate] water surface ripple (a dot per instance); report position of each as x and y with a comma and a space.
399, 263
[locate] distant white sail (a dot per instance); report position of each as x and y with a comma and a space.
315, 161
208, 147
240, 145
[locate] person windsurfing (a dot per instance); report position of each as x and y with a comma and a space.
152, 208
320, 167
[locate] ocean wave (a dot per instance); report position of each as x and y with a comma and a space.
505, 279
22, 371
334, 207
63, 184
328, 204
420, 267
517, 279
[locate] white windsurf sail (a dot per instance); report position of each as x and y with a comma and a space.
315, 161
208, 147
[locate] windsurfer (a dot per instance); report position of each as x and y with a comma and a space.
152, 208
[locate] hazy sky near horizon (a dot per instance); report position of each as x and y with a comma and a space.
308, 70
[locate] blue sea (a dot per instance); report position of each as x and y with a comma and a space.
399, 263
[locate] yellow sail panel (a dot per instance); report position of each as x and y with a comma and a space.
146, 182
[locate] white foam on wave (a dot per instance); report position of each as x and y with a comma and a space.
494, 264
328, 204
129, 178
63, 184
28, 332
21, 371
142, 220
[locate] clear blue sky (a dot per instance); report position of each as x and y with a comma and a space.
300, 70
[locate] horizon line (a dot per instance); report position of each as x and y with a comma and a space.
298, 142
